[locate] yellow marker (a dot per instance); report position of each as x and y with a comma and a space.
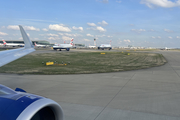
49, 63
103, 53
128, 54
122, 51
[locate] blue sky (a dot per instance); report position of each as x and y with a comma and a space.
145, 23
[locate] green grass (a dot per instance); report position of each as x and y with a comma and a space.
83, 62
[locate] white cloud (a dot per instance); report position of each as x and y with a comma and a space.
100, 36
59, 27
128, 41
13, 27
158, 37
103, 23
118, 1
91, 24
52, 35
28, 34
44, 29
53, 38
100, 29
70, 35
151, 30
31, 28
153, 37
170, 37
86, 40
161, 3
77, 28
109, 36
66, 38
131, 24
89, 35
61, 34
178, 37
2, 33
16, 27
169, 31
119, 42
138, 31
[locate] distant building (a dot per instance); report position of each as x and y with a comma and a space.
80, 45
42, 42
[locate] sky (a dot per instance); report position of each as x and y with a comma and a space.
140, 23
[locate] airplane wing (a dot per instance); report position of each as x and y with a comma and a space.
19, 105
8, 56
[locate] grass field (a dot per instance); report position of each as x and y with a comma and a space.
83, 62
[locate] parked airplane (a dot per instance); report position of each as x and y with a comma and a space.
1, 44
92, 46
105, 46
165, 48
19, 105
63, 46
13, 44
39, 45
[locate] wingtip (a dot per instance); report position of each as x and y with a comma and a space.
27, 41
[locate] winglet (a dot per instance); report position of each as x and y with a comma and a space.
8, 56
27, 41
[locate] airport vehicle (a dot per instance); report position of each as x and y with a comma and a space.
13, 44
105, 46
39, 45
19, 105
63, 46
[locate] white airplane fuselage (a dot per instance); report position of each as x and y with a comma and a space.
92, 46
14, 44
105, 46
62, 46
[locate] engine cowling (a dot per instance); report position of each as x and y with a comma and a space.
16, 105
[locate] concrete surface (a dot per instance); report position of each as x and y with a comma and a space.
148, 94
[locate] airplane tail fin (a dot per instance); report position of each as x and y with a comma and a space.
35, 44
4, 42
71, 41
27, 41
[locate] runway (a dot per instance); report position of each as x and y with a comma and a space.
148, 94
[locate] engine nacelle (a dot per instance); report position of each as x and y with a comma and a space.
16, 105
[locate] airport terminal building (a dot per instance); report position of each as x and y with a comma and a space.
42, 42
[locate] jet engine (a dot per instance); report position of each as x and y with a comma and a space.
19, 105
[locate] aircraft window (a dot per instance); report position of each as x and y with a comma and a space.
44, 114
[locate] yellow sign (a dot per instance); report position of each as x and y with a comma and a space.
128, 54
49, 63
103, 53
